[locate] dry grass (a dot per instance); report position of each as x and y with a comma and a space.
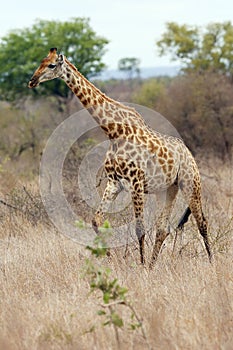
184, 303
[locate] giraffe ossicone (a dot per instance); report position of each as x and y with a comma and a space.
150, 162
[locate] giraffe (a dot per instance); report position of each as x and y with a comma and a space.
148, 161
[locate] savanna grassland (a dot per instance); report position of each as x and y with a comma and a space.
184, 303
45, 301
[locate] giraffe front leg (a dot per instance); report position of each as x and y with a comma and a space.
140, 232
98, 220
112, 189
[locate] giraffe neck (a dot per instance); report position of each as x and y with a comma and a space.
107, 112
87, 93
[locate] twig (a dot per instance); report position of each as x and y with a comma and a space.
141, 325
117, 302
122, 302
9, 205
31, 198
115, 329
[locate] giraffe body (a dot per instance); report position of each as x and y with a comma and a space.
146, 160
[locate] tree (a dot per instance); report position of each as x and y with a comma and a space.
20, 51
149, 92
199, 49
200, 107
130, 65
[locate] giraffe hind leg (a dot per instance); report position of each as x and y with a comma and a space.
140, 232
162, 225
203, 231
184, 219
195, 206
138, 203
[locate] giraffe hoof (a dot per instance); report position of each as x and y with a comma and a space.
95, 226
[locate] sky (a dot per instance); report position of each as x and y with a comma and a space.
131, 26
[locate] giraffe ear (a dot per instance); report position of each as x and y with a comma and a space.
52, 53
53, 50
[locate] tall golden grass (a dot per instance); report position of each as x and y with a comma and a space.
183, 303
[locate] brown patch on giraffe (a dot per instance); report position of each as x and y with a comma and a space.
133, 153
81, 96
138, 159
131, 165
143, 138
133, 172
118, 169
164, 167
170, 167
150, 145
170, 161
120, 130
161, 161
153, 147
104, 128
124, 114
91, 110
125, 171
111, 127
136, 139
136, 186
100, 100
123, 164
101, 114
113, 135
108, 114
134, 128
160, 153
128, 130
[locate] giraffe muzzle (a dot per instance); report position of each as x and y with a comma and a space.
33, 83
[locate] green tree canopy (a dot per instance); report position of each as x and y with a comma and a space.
199, 48
130, 65
22, 50
149, 92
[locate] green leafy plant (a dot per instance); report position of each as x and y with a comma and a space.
113, 294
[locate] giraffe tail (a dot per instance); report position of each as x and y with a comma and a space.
184, 219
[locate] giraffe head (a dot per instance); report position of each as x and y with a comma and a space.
50, 68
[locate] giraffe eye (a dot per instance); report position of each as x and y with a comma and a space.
52, 66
